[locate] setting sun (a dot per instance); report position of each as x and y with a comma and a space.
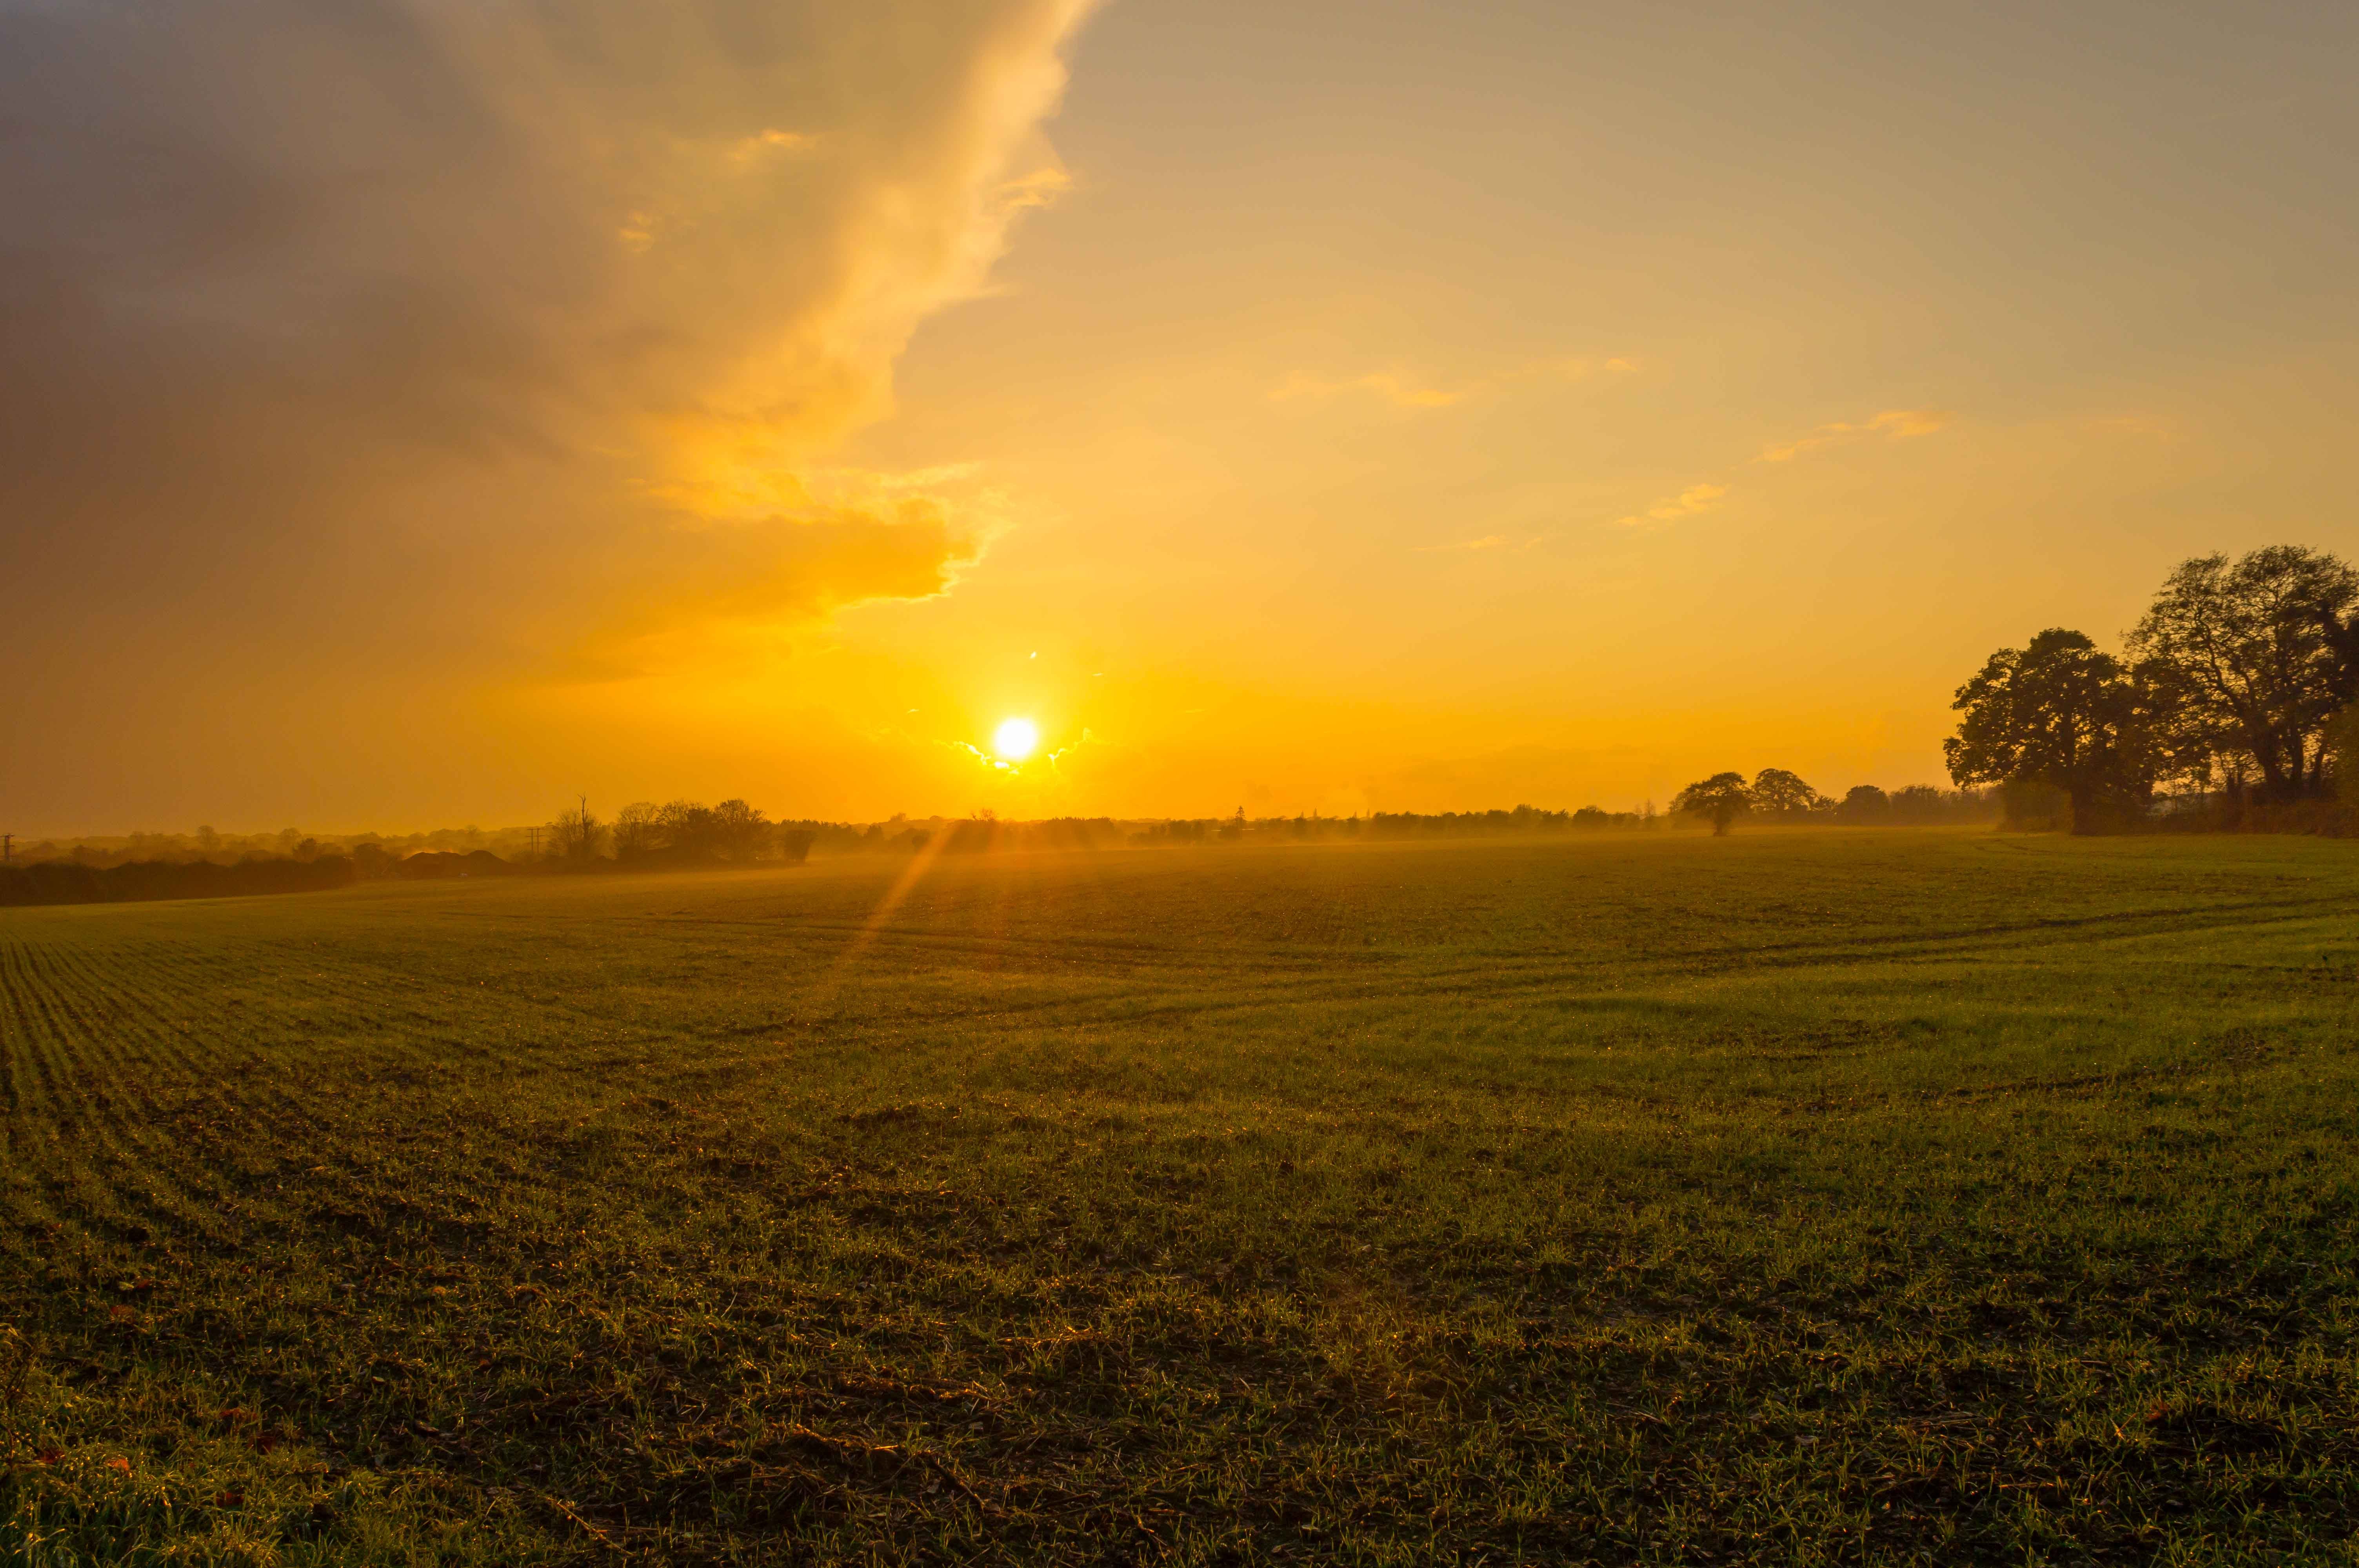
1016, 739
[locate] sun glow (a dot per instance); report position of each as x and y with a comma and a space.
1016, 739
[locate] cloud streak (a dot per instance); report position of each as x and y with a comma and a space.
1694, 498
1894, 423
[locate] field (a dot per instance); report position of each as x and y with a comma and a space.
1796, 1197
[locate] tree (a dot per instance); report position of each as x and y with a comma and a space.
1776, 793
2342, 754
1863, 806
1917, 803
1723, 798
2255, 653
2059, 713
2190, 749
686, 825
739, 832
575, 834
637, 830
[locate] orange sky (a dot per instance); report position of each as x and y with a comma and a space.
428, 416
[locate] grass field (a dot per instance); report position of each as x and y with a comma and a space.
1796, 1197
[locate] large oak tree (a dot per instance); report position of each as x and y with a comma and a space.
1720, 799
1779, 793
2255, 654
2060, 713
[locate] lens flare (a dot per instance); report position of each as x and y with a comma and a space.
1016, 739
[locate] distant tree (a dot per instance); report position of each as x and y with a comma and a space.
637, 830
2255, 654
739, 832
1863, 806
1776, 793
1720, 799
688, 826
2057, 712
575, 836
1919, 803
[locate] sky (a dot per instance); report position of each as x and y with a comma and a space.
416, 412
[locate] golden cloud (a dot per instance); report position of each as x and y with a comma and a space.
568, 300
1695, 498
1898, 424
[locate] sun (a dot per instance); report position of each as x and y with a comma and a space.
1016, 739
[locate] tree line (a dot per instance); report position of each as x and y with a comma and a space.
679, 832
1777, 795
71, 881
2231, 704
2232, 696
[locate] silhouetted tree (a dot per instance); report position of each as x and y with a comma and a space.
1917, 803
686, 826
1863, 806
2252, 658
637, 830
2328, 603
1776, 793
2191, 750
575, 836
1721, 799
2057, 712
2342, 754
739, 832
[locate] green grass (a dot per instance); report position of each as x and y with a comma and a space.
1796, 1197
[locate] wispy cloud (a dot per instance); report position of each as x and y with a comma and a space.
1037, 189
1894, 423
1695, 498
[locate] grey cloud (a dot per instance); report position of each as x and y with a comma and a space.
406, 297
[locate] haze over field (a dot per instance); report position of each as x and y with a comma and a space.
421, 411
